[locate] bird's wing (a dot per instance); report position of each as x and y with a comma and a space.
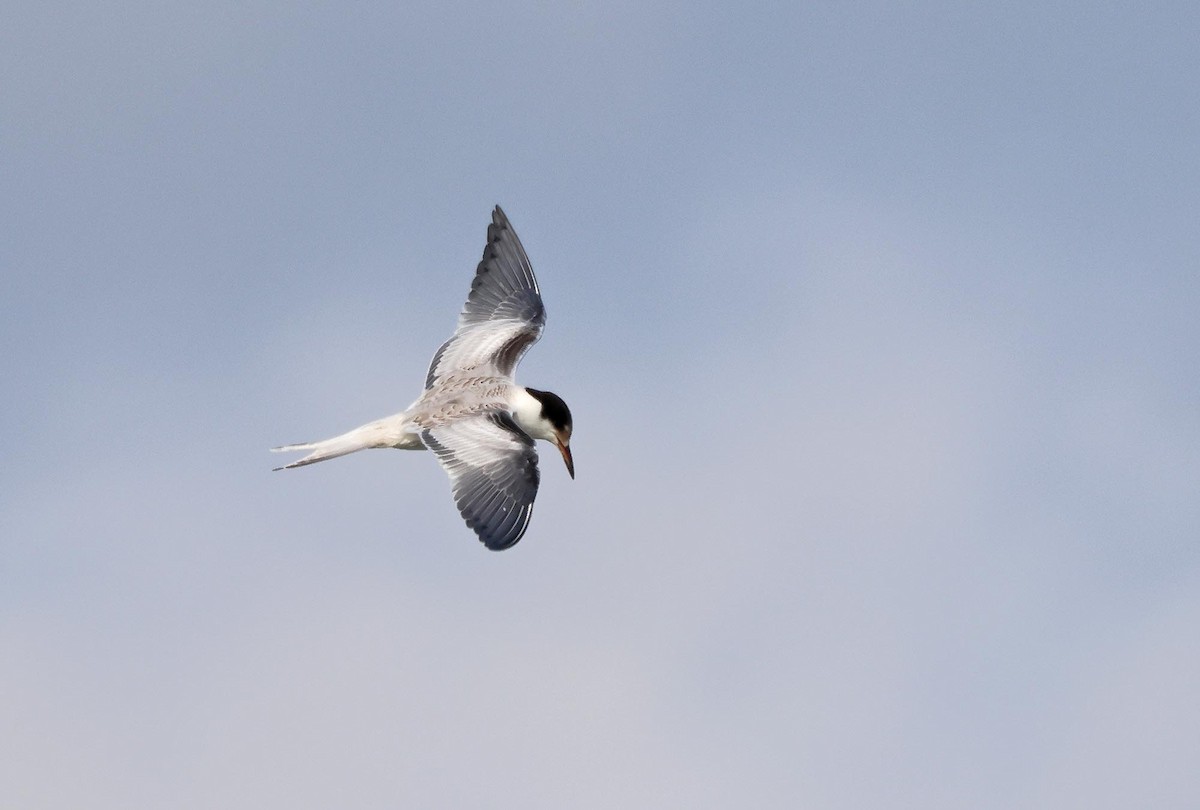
503, 315
493, 470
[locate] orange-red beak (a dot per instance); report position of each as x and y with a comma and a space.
565, 449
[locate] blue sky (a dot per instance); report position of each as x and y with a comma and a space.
878, 322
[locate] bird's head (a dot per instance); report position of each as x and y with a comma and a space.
548, 417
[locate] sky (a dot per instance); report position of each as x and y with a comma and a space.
878, 322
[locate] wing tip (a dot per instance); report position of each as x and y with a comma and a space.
496, 534
502, 540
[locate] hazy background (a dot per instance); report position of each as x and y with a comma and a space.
879, 323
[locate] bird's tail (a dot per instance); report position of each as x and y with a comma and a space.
383, 433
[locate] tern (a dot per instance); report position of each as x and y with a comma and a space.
479, 423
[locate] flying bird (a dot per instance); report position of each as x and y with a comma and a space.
478, 422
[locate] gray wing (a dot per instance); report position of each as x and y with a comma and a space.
493, 470
503, 315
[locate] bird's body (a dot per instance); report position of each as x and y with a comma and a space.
472, 415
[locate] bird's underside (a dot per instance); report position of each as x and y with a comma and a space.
479, 424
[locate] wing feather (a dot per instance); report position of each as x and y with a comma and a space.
503, 315
493, 472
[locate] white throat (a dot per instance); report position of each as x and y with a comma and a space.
527, 412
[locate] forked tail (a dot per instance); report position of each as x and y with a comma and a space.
382, 433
